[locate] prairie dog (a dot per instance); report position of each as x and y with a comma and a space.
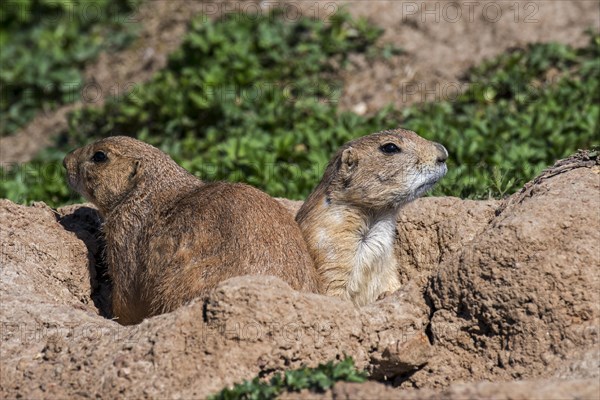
349, 220
171, 237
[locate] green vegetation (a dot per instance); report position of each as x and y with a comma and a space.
254, 99
248, 99
523, 110
45, 46
316, 379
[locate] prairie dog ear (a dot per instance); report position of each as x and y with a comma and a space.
135, 169
349, 160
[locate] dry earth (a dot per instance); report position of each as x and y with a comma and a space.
505, 292
441, 40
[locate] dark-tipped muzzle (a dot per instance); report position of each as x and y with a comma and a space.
442, 153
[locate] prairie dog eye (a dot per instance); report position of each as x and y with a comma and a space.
99, 157
390, 148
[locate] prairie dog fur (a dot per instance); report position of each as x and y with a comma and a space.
349, 220
171, 237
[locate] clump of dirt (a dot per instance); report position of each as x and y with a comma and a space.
432, 230
521, 300
519, 390
503, 292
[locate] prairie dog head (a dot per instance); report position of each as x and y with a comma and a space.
107, 171
387, 169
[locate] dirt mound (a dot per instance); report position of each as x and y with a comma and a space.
495, 291
522, 299
62, 346
575, 389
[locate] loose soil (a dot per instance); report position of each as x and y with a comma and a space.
500, 299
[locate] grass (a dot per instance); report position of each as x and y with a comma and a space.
316, 379
255, 100
45, 47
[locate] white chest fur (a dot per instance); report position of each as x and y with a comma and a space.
374, 265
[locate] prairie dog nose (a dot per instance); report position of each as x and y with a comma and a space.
65, 161
442, 153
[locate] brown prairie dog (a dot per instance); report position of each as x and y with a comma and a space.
349, 220
171, 237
